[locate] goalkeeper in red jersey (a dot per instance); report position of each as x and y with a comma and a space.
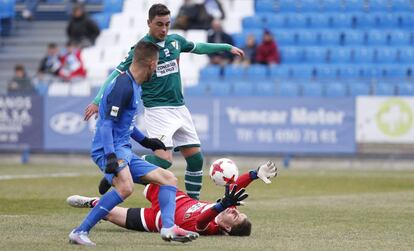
203, 217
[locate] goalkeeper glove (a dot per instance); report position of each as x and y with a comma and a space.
267, 171
111, 163
153, 144
233, 198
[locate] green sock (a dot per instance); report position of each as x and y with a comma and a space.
158, 161
194, 175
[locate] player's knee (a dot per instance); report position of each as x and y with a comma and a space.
170, 179
126, 189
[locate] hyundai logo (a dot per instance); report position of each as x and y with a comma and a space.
67, 123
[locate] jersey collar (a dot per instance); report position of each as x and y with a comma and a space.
130, 76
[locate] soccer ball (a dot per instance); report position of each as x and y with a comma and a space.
223, 171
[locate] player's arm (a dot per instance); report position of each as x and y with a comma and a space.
116, 101
264, 172
232, 197
92, 108
151, 143
206, 48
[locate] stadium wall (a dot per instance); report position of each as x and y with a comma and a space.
247, 125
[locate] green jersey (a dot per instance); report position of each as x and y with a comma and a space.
164, 88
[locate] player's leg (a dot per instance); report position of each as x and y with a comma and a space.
123, 187
188, 143
143, 171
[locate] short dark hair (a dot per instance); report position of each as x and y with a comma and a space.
52, 45
19, 67
242, 229
158, 10
145, 51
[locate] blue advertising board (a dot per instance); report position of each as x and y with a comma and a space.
269, 125
21, 122
64, 126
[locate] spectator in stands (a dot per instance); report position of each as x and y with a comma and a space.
20, 83
217, 35
30, 8
50, 64
268, 52
81, 29
192, 15
249, 51
72, 68
214, 9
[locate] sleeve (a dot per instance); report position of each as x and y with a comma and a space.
118, 98
137, 135
204, 220
107, 137
245, 179
208, 48
185, 46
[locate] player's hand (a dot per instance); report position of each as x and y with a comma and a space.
153, 144
233, 197
90, 110
236, 51
267, 171
111, 163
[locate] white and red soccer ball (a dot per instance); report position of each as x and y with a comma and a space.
223, 171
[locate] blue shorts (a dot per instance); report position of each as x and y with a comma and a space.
137, 166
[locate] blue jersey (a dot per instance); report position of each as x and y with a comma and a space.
119, 104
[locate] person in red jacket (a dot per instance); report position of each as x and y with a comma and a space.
71, 63
267, 52
206, 218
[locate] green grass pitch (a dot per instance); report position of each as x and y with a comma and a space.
300, 210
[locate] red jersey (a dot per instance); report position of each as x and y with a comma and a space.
190, 214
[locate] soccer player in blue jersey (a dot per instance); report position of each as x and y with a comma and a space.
111, 151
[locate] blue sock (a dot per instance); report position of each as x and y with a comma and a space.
105, 204
166, 199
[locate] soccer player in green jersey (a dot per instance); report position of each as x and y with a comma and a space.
166, 116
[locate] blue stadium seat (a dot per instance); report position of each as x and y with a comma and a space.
386, 55
402, 5
210, 72
407, 20
341, 20
243, 88
102, 20
292, 55
219, 89
387, 20
399, 37
287, 6
280, 72
326, 72
335, 90
358, 89
377, 37
329, 37
7, 8
310, 5
113, 6
263, 6
340, 55
296, 21
94, 1
348, 72
55, 1
316, 55
393, 71
256, 72
234, 72
368, 72
406, 55
42, 88
302, 72
254, 22
197, 90
353, 37
314, 89
265, 89
384, 89
306, 37
332, 5
406, 89
363, 55
364, 20
273, 21
287, 89
354, 5
379, 5
316, 20
284, 37
239, 39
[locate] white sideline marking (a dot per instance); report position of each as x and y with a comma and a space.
37, 176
